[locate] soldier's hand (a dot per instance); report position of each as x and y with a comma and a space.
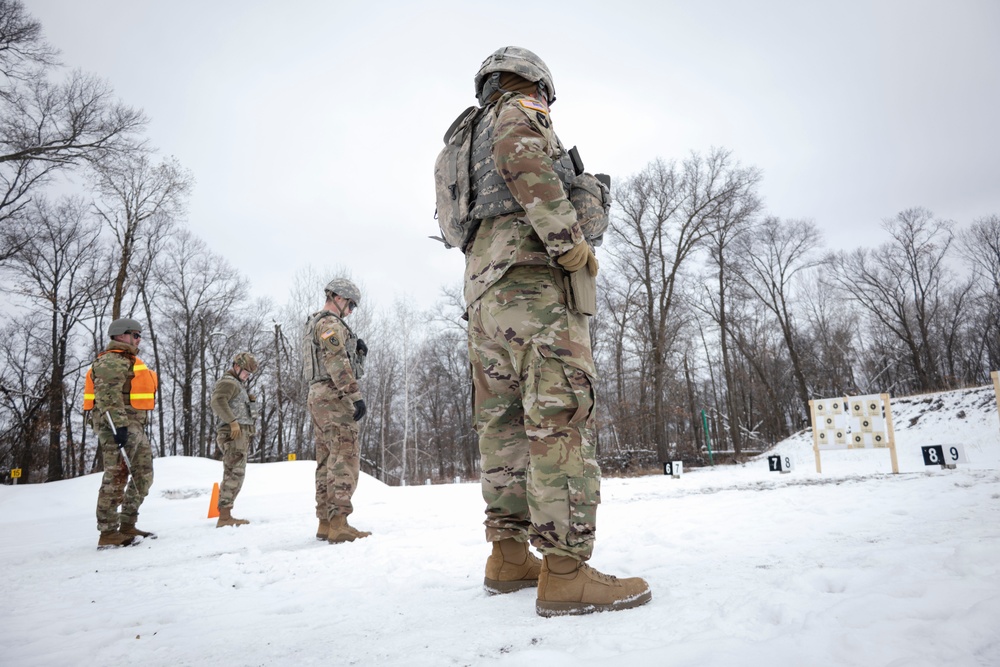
578, 257
362, 348
121, 435
359, 410
234, 430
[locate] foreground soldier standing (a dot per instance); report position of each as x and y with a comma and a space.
235, 412
333, 359
530, 350
120, 385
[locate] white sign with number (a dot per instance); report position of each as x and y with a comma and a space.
943, 455
783, 463
954, 454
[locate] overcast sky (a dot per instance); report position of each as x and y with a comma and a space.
311, 127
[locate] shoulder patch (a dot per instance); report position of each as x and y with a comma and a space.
534, 105
330, 334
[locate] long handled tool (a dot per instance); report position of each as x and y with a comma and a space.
121, 448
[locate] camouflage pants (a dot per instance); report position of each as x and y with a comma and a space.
338, 457
234, 465
532, 366
116, 490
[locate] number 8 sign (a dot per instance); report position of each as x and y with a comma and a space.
943, 455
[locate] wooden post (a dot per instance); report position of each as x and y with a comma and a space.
812, 416
890, 433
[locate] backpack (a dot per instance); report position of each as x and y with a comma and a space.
589, 194
451, 181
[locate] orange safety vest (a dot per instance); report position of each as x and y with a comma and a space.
141, 390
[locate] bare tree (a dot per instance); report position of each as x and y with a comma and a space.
899, 285
666, 212
980, 245
23, 384
773, 256
139, 198
59, 271
23, 50
833, 331
199, 289
734, 221
45, 126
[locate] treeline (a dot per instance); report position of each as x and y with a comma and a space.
718, 321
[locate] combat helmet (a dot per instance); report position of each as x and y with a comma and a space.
246, 361
344, 288
520, 61
123, 325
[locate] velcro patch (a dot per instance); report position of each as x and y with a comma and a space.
329, 333
534, 105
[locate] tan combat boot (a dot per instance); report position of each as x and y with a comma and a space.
324, 528
510, 567
112, 538
226, 518
567, 586
339, 531
130, 529
357, 533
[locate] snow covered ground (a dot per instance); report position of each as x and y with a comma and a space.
855, 566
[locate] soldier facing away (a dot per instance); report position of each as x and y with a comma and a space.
235, 412
121, 390
333, 361
530, 350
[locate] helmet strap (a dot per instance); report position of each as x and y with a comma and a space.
543, 91
490, 86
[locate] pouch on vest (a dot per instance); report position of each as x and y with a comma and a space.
584, 288
592, 200
451, 181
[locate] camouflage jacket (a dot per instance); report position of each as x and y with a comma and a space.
333, 336
524, 146
231, 403
112, 374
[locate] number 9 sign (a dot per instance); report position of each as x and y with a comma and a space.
943, 455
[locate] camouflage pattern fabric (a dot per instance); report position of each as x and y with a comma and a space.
532, 372
112, 374
115, 488
531, 357
338, 457
333, 335
524, 146
234, 466
230, 402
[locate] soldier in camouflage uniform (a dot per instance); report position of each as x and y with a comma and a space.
530, 351
235, 412
120, 385
333, 359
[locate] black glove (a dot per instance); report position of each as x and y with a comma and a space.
362, 348
121, 435
359, 410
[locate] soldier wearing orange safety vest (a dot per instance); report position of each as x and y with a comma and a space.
119, 391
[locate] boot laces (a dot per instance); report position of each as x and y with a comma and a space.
600, 576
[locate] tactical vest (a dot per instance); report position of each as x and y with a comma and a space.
313, 369
490, 195
139, 389
243, 408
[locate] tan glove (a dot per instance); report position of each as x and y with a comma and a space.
234, 430
577, 257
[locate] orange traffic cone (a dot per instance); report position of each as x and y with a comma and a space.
213, 504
